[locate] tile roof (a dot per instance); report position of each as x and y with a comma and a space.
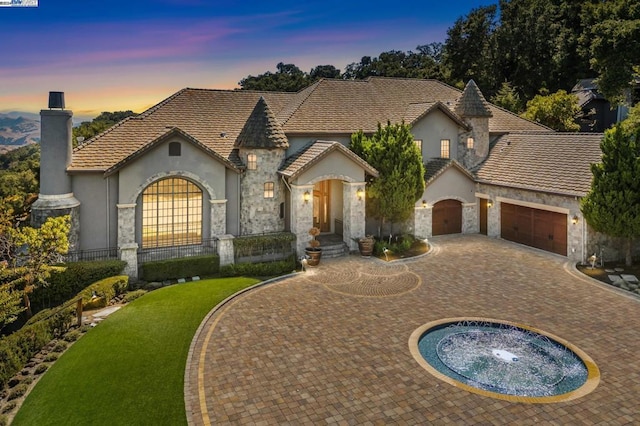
215, 118
262, 130
472, 103
313, 152
550, 162
436, 166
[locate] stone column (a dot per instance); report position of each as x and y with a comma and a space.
353, 213
470, 218
218, 217
493, 220
127, 245
422, 221
225, 249
301, 215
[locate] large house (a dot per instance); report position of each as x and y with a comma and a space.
217, 164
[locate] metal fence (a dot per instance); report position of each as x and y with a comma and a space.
95, 254
208, 246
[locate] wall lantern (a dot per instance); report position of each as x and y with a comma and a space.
574, 219
306, 196
360, 193
424, 204
489, 203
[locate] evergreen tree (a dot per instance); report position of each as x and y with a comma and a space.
393, 152
508, 98
613, 204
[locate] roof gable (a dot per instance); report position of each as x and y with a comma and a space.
262, 130
436, 167
416, 112
313, 153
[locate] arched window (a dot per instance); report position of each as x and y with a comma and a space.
171, 213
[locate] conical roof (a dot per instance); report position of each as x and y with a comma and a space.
472, 103
262, 130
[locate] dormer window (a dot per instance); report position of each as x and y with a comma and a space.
175, 149
252, 162
470, 142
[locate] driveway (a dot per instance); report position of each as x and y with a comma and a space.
331, 346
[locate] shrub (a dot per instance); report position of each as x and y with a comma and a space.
133, 295
17, 392
71, 336
398, 245
105, 290
181, 268
41, 368
17, 348
72, 278
60, 347
8, 407
4, 421
265, 269
51, 357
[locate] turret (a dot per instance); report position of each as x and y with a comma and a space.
472, 108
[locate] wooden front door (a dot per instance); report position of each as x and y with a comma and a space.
447, 218
322, 206
534, 227
484, 209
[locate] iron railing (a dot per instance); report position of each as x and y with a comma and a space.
93, 254
208, 246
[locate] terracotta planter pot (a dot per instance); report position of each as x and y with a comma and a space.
314, 254
366, 247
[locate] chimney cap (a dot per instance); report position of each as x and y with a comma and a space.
56, 100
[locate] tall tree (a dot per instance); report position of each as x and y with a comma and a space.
613, 204
469, 50
611, 38
557, 110
287, 78
88, 129
393, 152
323, 71
508, 98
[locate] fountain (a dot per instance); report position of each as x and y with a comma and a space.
504, 360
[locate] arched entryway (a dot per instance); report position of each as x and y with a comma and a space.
447, 217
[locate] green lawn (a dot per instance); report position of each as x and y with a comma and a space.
129, 370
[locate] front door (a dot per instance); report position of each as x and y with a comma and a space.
321, 206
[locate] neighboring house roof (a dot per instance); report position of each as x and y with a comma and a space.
549, 162
262, 130
216, 118
587, 90
312, 153
437, 166
472, 103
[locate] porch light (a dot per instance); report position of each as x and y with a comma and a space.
424, 204
306, 197
574, 219
489, 203
360, 193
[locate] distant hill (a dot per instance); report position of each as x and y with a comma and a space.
18, 129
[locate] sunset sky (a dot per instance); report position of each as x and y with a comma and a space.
117, 55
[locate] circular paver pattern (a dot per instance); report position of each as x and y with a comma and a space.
296, 352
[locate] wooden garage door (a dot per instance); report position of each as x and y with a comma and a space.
447, 217
536, 228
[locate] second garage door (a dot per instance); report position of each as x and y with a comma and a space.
534, 227
447, 217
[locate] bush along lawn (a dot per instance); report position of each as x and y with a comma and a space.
130, 368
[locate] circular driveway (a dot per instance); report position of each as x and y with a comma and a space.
330, 346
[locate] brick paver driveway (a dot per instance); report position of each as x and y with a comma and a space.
331, 346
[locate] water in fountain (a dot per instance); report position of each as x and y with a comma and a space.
503, 359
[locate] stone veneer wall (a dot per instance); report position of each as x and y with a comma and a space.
480, 133
40, 215
258, 214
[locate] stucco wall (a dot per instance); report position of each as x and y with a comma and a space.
431, 129
333, 166
451, 184
98, 197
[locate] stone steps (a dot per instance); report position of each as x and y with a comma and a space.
334, 250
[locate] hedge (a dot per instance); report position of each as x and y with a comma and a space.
105, 290
265, 269
71, 279
171, 269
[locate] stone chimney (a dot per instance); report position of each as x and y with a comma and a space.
56, 196
472, 108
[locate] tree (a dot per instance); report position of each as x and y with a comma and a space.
88, 129
287, 78
613, 204
10, 300
469, 50
425, 63
37, 250
557, 110
508, 98
611, 39
323, 71
393, 152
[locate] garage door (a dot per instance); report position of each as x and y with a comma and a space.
447, 217
536, 228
